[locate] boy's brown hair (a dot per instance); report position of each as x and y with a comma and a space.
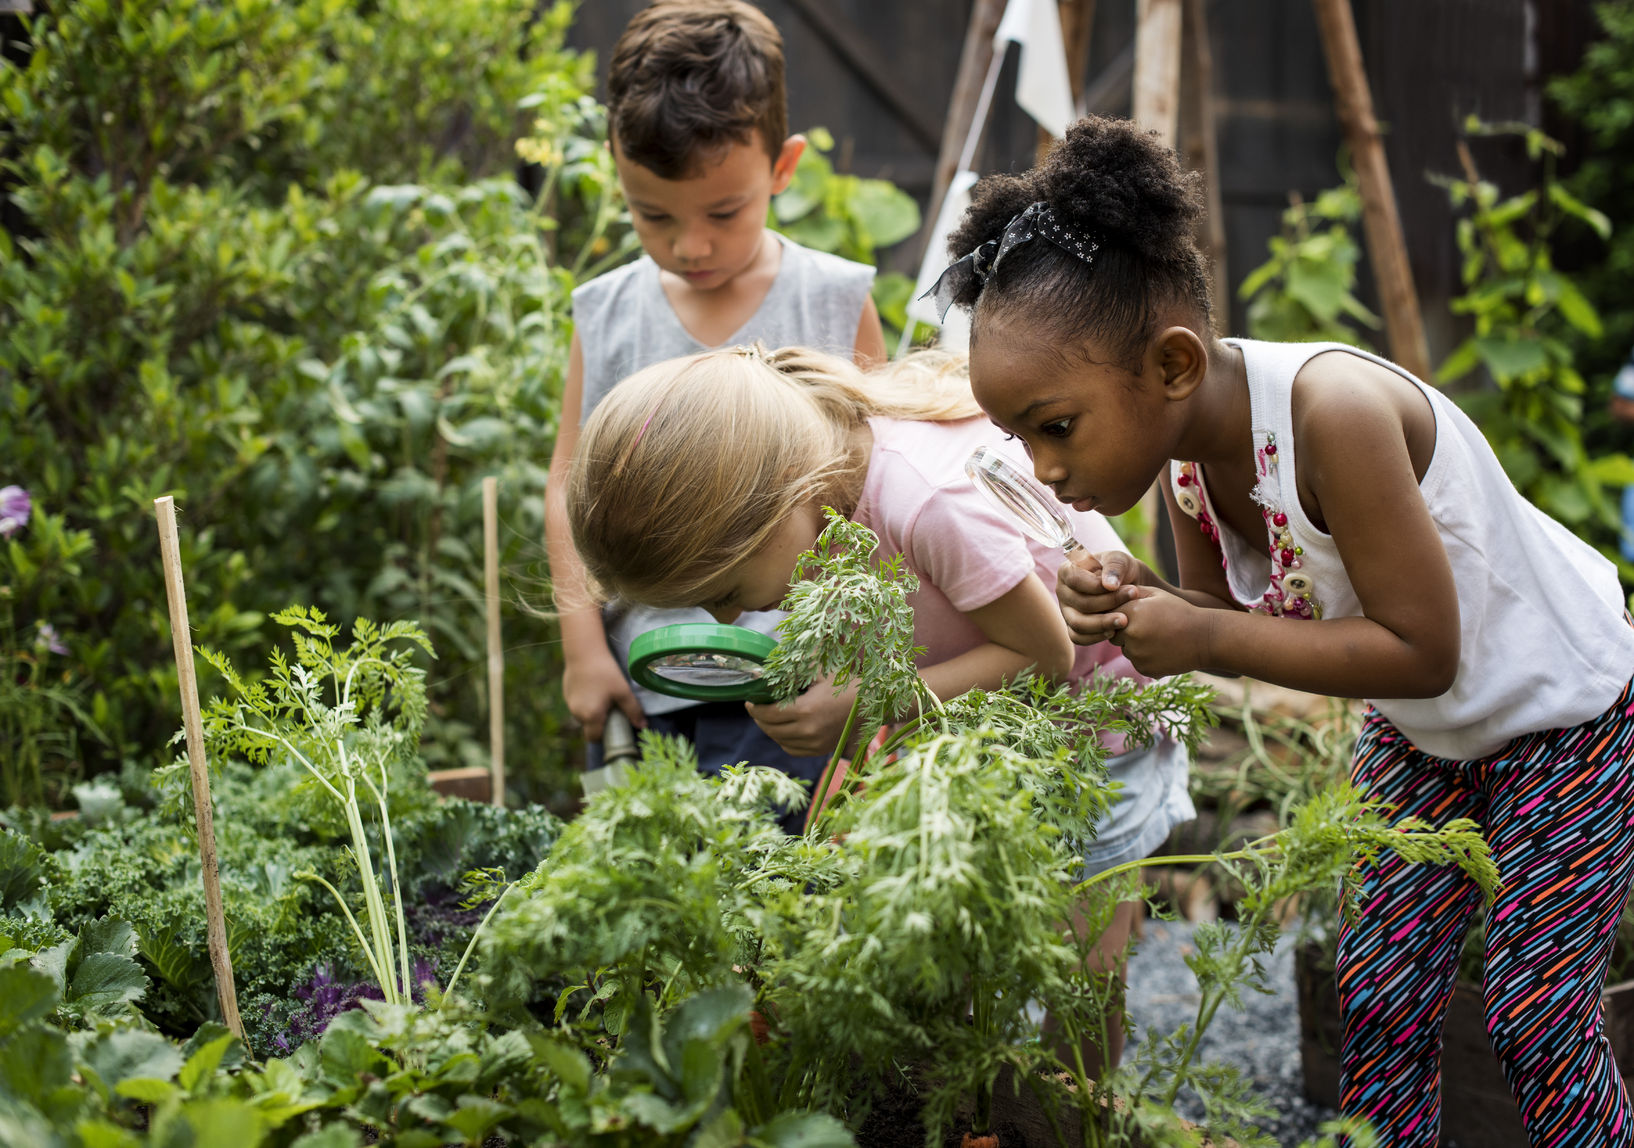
690, 77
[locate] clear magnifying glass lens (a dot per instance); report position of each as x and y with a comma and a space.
701, 669
1014, 492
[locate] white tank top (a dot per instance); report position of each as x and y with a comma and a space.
1543, 640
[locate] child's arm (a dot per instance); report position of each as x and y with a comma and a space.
1023, 630
869, 349
591, 680
1355, 463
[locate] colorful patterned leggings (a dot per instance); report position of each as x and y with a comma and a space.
1557, 808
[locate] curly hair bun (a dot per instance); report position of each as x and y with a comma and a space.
1110, 179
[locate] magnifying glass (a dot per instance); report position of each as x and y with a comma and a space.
703, 661
1013, 491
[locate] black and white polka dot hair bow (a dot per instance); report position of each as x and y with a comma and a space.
976, 267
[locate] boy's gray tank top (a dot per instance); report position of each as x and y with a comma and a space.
625, 322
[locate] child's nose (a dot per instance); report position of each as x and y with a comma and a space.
726, 615
691, 244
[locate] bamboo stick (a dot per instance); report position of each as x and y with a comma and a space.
496, 650
1381, 223
181, 641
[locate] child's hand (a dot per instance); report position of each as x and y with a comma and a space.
809, 725
1093, 592
591, 687
1163, 633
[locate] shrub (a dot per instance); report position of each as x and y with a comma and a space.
259, 265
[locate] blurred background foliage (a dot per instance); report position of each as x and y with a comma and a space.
304, 265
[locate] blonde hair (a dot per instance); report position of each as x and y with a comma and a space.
686, 468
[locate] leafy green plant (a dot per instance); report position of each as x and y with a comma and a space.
1599, 96
1305, 290
256, 262
905, 937
850, 216
351, 718
1525, 313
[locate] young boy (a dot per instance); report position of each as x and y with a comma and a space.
698, 126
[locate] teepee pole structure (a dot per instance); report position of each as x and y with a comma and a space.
1381, 222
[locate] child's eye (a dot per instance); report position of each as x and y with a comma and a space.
1059, 428
723, 216
650, 218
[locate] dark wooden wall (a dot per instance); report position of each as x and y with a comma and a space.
1430, 63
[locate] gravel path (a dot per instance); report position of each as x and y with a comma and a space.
1262, 1041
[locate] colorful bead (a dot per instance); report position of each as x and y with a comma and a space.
1280, 518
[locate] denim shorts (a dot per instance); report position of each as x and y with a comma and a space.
1154, 798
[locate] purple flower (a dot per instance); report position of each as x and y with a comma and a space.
15, 505
45, 638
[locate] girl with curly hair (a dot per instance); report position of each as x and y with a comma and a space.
1341, 528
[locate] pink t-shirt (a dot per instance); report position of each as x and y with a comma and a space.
966, 553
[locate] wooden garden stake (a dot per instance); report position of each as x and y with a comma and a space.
1353, 100
180, 637
496, 651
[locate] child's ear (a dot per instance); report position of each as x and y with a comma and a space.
788, 158
1184, 360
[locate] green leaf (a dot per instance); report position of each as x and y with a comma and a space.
802, 1130
24, 867
1613, 470
105, 980
127, 1053
25, 994
1577, 209
888, 214
1511, 356
203, 1063
147, 1090
34, 1063
476, 1117
224, 1121
334, 1136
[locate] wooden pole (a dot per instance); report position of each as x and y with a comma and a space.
1202, 75
1156, 101
496, 650
1077, 20
1155, 107
974, 61
181, 641
1386, 249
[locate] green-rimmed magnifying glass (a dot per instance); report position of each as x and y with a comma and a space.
703, 661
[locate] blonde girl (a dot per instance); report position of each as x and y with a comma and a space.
699, 481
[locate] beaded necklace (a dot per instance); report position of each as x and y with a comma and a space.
1291, 593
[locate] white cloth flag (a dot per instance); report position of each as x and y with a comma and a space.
936, 253
1042, 87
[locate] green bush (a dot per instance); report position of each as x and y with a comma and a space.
1306, 290
1600, 97
1527, 318
261, 266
